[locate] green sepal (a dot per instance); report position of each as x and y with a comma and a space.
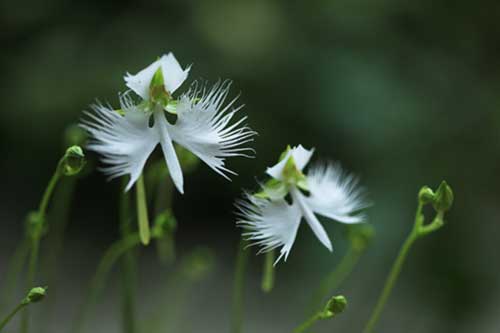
293, 176
157, 92
273, 189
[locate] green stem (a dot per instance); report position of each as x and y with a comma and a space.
335, 278
36, 235
268, 274
6, 320
238, 291
142, 211
395, 270
308, 323
129, 268
114, 253
163, 201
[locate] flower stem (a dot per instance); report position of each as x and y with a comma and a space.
308, 323
142, 211
114, 253
335, 277
239, 284
395, 270
128, 266
35, 235
268, 275
6, 320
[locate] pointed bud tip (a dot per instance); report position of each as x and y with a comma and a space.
444, 197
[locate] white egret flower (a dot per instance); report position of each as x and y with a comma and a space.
271, 221
203, 125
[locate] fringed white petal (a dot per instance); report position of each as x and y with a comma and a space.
301, 156
312, 220
204, 127
125, 142
173, 76
335, 194
269, 224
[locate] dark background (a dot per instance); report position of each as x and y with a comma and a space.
403, 93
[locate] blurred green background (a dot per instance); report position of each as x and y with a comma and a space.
403, 93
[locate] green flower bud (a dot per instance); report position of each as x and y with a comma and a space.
360, 235
334, 306
35, 295
73, 161
444, 198
198, 264
164, 222
426, 195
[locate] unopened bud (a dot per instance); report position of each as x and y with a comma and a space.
73, 161
334, 306
444, 198
426, 195
35, 295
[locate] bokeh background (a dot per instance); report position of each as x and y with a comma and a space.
403, 93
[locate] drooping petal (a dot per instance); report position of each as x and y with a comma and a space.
301, 156
167, 146
173, 76
269, 224
204, 127
125, 142
317, 228
335, 194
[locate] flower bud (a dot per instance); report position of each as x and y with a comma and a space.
35, 295
73, 161
334, 306
426, 195
337, 304
360, 235
444, 198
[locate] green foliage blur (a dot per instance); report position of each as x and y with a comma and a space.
402, 93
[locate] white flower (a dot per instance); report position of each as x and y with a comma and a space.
204, 126
272, 222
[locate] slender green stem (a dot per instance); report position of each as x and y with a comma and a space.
395, 270
238, 291
36, 234
6, 320
308, 323
334, 278
268, 274
108, 260
142, 211
42, 210
163, 201
128, 266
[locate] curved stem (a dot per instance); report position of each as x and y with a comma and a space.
114, 253
335, 278
238, 291
6, 320
308, 323
395, 270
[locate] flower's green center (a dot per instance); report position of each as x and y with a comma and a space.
291, 176
159, 95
